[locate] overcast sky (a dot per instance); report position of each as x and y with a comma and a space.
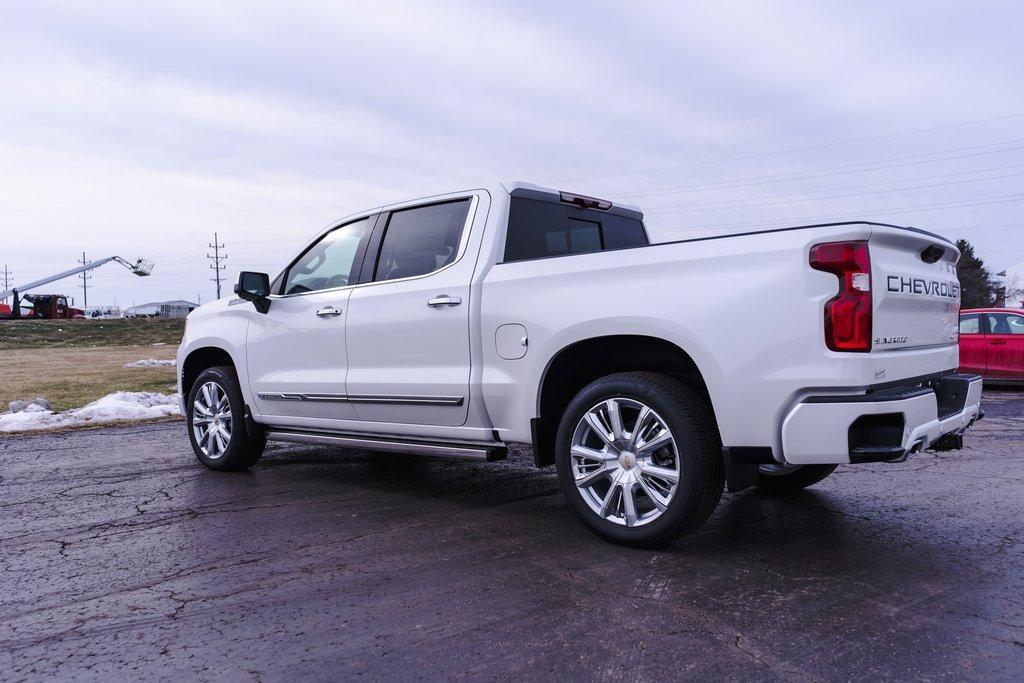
140, 130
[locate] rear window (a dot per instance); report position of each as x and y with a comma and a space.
537, 229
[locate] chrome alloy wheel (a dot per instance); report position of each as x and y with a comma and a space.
625, 462
211, 420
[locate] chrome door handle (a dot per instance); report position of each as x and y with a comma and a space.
443, 301
328, 311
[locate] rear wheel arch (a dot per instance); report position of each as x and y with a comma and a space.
580, 363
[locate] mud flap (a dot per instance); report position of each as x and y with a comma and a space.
741, 466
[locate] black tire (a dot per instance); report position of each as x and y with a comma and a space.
806, 475
241, 450
702, 472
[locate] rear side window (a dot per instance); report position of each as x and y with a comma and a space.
421, 240
970, 323
1005, 323
537, 229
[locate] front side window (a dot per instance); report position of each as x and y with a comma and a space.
421, 240
970, 323
329, 262
1005, 323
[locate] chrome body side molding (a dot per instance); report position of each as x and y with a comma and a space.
365, 398
416, 400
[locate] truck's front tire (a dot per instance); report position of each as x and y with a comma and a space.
215, 411
639, 458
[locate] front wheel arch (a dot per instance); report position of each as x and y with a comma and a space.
201, 359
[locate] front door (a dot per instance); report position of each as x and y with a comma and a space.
296, 352
408, 325
1005, 341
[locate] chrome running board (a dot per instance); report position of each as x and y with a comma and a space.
486, 452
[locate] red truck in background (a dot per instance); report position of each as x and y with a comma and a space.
44, 306
992, 343
55, 306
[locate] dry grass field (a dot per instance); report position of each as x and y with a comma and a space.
71, 378
74, 362
34, 334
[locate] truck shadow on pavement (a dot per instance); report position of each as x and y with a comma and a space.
516, 495
839, 551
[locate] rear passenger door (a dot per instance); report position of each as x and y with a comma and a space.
407, 330
1005, 345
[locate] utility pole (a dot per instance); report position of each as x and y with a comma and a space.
85, 283
7, 275
217, 257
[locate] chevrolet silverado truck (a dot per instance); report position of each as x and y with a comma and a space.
651, 375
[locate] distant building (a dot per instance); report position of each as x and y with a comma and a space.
1012, 286
178, 308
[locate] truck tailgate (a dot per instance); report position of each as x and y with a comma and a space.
915, 291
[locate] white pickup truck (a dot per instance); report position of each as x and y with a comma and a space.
649, 374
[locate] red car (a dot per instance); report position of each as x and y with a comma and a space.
992, 343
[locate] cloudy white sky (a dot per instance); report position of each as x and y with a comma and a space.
139, 129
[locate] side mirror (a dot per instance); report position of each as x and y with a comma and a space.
254, 287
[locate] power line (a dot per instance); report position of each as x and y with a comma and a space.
862, 186
794, 149
85, 283
1001, 227
804, 220
793, 176
216, 258
688, 208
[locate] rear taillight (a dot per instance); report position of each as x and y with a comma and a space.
848, 313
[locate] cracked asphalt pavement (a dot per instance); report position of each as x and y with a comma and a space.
121, 556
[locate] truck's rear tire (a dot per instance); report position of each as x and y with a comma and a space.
783, 481
215, 411
639, 458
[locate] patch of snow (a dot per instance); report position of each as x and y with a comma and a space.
150, 363
116, 407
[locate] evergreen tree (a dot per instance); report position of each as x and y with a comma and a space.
976, 287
